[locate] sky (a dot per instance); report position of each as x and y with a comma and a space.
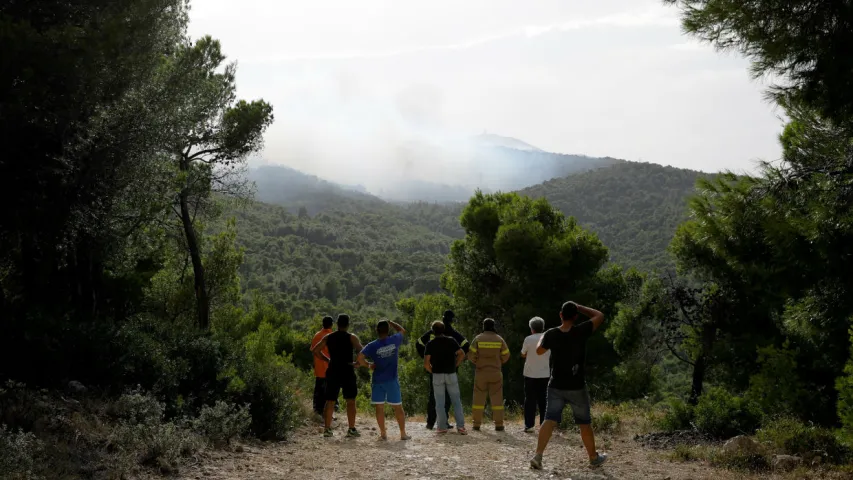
354, 83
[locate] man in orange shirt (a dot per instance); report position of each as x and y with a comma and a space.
320, 366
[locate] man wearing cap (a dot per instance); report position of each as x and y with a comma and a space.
488, 353
421, 344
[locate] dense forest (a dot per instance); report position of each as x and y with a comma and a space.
150, 308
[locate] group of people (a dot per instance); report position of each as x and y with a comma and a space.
553, 374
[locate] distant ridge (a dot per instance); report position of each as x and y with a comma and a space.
492, 140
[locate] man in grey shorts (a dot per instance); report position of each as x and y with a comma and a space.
567, 385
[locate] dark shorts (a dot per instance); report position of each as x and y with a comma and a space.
578, 400
337, 381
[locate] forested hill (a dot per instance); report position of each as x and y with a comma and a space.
633, 207
354, 255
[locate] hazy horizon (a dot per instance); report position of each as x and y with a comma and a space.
356, 86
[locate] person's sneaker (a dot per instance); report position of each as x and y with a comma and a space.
536, 462
328, 432
441, 430
405, 437
476, 428
499, 429
462, 431
352, 432
449, 425
599, 460
529, 430
430, 427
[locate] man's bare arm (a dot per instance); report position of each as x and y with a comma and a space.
361, 361
540, 350
356, 344
596, 317
318, 349
397, 327
460, 357
427, 365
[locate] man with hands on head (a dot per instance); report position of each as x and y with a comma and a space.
567, 385
385, 385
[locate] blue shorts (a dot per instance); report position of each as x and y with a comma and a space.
386, 392
578, 400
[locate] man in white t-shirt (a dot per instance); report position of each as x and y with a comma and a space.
537, 371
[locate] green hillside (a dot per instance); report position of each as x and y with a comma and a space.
353, 256
326, 248
633, 207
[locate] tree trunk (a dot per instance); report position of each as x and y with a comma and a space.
202, 301
709, 334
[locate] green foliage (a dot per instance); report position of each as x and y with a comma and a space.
19, 454
521, 258
268, 382
222, 422
634, 208
723, 415
793, 437
776, 387
844, 386
679, 416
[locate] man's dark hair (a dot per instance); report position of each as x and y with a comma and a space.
448, 317
489, 325
438, 328
328, 321
383, 327
343, 320
569, 311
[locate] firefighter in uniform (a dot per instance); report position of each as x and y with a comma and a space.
449, 331
488, 352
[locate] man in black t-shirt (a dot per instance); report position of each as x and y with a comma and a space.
340, 375
567, 385
442, 356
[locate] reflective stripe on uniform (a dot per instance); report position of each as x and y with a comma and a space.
505, 352
473, 349
464, 342
497, 407
477, 407
490, 344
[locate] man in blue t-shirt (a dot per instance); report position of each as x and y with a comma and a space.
385, 387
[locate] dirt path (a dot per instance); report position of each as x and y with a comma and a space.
485, 454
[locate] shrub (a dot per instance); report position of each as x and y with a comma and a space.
158, 445
678, 416
793, 437
18, 454
137, 408
268, 383
753, 462
222, 422
687, 453
606, 422
724, 415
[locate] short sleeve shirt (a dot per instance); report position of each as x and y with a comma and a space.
384, 352
442, 351
535, 365
568, 355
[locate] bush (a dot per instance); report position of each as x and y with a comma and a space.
792, 437
18, 454
753, 462
269, 383
724, 415
157, 445
678, 416
222, 422
606, 422
137, 408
